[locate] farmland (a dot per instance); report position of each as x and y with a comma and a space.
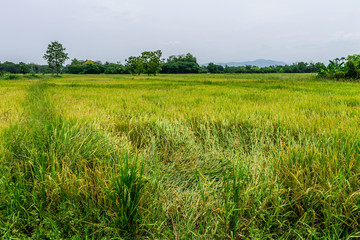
226, 156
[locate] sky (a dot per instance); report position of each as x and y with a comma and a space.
213, 31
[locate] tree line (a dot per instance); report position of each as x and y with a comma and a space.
10, 67
299, 67
151, 63
173, 65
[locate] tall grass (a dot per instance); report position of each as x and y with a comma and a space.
128, 188
184, 157
58, 177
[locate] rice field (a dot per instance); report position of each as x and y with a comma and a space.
233, 156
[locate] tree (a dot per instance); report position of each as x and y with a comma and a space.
9, 67
211, 67
114, 68
152, 62
55, 56
89, 62
34, 67
23, 68
75, 62
214, 68
190, 58
134, 65
341, 68
181, 64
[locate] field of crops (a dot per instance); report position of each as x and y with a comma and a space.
201, 156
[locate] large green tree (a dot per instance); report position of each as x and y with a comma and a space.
55, 56
134, 65
152, 61
181, 64
23, 68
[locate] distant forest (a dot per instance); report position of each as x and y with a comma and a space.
186, 63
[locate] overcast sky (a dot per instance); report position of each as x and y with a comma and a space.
217, 31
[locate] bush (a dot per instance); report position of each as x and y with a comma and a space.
339, 75
13, 76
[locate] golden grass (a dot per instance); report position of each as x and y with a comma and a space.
225, 156
302, 102
12, 95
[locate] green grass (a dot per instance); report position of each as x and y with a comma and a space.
180, 157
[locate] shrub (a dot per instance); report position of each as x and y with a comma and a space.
32, 74
12, 77
339, 75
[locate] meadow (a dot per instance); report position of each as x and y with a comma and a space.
203, 156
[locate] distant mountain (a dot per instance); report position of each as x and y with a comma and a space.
258, 63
